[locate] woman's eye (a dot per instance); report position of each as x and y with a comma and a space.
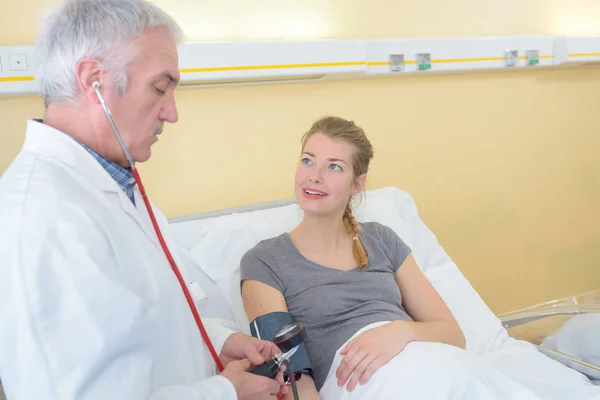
160, 91
335, 167
306, 160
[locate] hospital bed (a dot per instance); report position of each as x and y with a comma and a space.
522, 343
567, 330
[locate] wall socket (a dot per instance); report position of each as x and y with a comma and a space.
18, 70
533, 57
423, 61
396, 62
511, 58
17, 62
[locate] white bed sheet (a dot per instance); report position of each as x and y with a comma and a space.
214, 247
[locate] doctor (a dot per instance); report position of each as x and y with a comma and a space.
89, 305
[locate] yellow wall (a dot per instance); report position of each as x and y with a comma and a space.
504, 166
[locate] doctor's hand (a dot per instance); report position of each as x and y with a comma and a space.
239, 346
247, 348
365, 354
249, 386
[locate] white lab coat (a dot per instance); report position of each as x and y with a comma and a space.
89, 306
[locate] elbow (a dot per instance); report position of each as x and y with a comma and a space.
461, 340
454, 335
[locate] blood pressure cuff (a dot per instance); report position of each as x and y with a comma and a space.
265, 327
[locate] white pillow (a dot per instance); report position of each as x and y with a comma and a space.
221, 248
579, 338
213, 304
222, 241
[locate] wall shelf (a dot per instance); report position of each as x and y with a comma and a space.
237, 63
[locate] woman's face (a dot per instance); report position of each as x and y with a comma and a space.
325, 179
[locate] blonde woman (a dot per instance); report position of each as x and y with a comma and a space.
359, 291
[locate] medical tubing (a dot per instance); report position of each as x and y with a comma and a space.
96, 86
292, 380
186, 292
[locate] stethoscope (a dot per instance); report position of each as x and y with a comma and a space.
161, 239
288, 338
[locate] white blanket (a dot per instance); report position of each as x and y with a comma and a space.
436, 371
493, 366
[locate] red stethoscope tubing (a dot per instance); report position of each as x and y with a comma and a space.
184, 287
182, 283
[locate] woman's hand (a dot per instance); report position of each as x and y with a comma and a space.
364, 355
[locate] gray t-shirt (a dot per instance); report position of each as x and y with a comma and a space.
332, 304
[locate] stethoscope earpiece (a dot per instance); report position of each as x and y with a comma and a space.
96, 86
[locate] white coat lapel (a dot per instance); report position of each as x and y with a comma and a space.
47, 141
138, 213
194, 287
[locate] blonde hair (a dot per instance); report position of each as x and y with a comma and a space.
339, 128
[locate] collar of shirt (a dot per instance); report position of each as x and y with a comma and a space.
123, 176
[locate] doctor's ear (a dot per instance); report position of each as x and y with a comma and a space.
88, 74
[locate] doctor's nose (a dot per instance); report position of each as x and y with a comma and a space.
169, 112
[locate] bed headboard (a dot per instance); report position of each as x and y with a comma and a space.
234, 210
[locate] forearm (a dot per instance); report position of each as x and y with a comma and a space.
217, 333
437, 331
306, 389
